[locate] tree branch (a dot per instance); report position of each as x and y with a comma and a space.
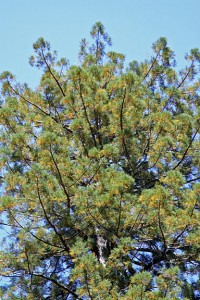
86, 114
151, 67
60, 177
48, 219
37, 107
49, 69
122, 129
186, 75
186, 150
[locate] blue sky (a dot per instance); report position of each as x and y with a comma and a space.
133, 25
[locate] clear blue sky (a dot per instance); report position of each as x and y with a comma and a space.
133, 25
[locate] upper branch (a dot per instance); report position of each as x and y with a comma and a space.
52, 74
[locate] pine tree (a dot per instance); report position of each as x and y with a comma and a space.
100, 176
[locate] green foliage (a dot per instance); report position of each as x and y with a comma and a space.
100, 177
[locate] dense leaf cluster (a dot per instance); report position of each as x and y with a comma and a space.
100, 177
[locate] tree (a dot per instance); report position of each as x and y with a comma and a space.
100, 176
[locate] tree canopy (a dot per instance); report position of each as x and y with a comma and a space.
100, 176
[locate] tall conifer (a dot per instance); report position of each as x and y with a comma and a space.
100, 176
